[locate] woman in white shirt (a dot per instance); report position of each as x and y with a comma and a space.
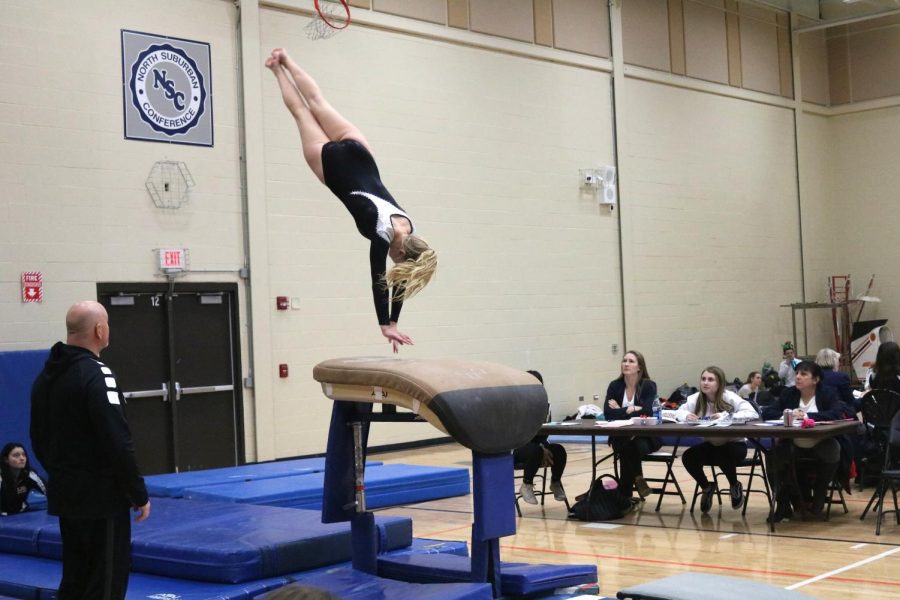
713, 401
751, 389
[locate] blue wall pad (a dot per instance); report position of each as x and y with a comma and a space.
212, 541
515, 578
387, 485
348, 584
18, 371
172, 485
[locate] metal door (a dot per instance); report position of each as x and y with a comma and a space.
175, 354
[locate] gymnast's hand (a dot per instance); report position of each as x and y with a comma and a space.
395, 337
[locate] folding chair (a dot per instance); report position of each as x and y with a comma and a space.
754, 461
542, 475
879, 408
890, 474
520, 475
667, 457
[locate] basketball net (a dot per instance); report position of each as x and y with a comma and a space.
331, 17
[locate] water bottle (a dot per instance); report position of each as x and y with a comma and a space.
657, 411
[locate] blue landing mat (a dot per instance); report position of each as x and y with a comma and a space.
515, 578
348, 584
172, 485
213, 541
33, 578
387, 485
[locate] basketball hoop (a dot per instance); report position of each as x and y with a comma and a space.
328, 19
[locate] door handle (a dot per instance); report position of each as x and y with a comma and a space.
163, 391
204, 389
177, 391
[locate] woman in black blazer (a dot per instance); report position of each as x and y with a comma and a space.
631, 395
809, 398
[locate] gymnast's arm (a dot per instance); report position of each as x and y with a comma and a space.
387, 312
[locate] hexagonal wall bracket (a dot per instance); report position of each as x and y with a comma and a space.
169, 183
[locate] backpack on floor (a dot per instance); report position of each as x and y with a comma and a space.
600, 504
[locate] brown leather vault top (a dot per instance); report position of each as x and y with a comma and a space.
487, 407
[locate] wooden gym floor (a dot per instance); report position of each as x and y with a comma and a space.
840, 559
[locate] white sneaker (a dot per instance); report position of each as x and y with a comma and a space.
527, 493
558, 492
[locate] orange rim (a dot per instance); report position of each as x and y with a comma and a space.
328, 22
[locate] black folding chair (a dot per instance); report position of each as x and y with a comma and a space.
668, 458
879, 409
890, 474
538, 493
757, 465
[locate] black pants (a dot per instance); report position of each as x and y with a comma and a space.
531, 457
96, 557
726, 457
791, 467
630, 451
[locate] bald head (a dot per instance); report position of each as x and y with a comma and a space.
87, 326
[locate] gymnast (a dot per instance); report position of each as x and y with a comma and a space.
339, 155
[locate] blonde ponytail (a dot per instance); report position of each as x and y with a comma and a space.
414, 273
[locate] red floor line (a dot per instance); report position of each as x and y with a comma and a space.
673, 563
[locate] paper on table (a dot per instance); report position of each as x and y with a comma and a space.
621, 423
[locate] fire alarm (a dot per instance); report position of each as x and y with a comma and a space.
282, 370
281, 302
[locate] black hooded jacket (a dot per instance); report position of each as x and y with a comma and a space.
79, 433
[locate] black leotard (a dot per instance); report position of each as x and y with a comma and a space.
352, 175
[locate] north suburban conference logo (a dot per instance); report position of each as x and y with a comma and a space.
167, 89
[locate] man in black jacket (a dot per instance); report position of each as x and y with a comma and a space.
79, 433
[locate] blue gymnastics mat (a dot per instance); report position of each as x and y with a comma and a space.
348, 584
213, 541
387, 485
516, 579
172, 485
34, 578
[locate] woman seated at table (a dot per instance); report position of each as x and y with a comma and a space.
631, 395
541, 453
713, 401
809, 398
829, 360
754, 385
885, 373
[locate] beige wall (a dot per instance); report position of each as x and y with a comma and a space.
714, 229
483, 149
814, 67
863, 182
483, 146
74, 204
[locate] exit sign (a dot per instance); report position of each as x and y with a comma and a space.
173, 259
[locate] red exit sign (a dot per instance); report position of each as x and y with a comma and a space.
173, 259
